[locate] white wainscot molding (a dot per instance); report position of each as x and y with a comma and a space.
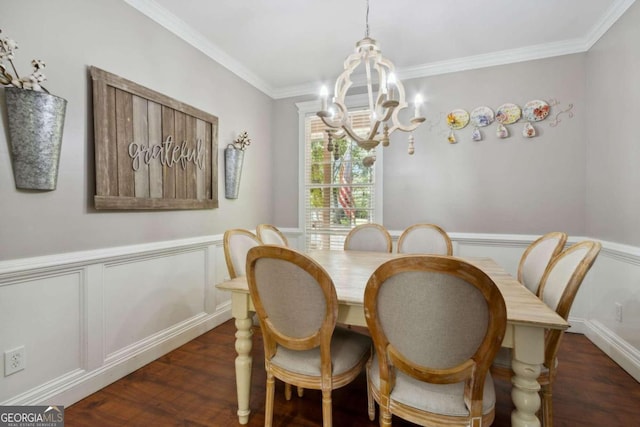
89, 318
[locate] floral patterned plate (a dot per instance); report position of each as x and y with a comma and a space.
457, 119
508, 113
534, 111
482, 116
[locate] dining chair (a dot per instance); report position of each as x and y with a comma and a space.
270, 235
425, 239
237, 243
558, 289
368, 237
436, 323
297, 306
537, 257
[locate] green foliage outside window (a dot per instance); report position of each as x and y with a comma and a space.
323, 161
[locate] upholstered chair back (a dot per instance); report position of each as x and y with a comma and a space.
425, 239
537, 257
368, 237
237, 243
270, 235
436, 324
278, 280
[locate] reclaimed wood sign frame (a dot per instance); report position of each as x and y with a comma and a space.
151, 151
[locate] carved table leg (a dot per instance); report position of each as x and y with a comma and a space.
243, 322
528, 355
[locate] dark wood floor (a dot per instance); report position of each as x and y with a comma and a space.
195, 386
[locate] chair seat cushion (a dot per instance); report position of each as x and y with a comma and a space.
446, 399
347, 349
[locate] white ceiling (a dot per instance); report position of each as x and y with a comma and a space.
292, 47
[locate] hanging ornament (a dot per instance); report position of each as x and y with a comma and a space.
411, 148
452, 138
502, 131
506, 114
480, 117
534, 111
528, 131
456, 119
369, 159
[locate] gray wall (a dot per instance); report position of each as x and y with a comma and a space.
514, 185
494, 186
70, 36
613, 145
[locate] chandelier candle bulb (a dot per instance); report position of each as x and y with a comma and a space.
391, 81
418, 103
324, 93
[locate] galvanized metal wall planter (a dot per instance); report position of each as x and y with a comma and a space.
233, 159
36, 122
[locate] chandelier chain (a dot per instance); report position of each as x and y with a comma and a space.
366, 31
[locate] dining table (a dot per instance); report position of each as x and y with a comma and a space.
527, 320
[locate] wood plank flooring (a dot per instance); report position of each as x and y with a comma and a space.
194, 385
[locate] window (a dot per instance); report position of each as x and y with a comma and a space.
337, 191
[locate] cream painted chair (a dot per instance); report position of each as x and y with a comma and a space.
436, 323
558, 289
426, 239
537, 257
368, 237
297, 305
270, 235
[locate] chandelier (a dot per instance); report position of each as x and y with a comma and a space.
386, 98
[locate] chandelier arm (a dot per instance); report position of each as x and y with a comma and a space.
353, 135
374, 131
387, 114
331, 123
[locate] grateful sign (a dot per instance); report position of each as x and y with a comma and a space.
151, 151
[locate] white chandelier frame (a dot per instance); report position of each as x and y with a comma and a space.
389, 100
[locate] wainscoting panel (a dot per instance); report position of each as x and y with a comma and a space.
42, 313
89, 318
145, 296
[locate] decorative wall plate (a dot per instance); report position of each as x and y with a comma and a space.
482, 116
536, 110
457, 119
508, 114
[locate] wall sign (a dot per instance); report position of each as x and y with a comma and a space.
151, 151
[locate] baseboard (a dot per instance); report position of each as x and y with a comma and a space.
619, 350
79, 384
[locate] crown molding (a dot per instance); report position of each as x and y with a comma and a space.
617, 9
529, 53
512, 56
178, 27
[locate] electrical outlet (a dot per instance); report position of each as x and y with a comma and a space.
618, 312
14, 361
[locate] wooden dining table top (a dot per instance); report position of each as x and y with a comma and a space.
350, 271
